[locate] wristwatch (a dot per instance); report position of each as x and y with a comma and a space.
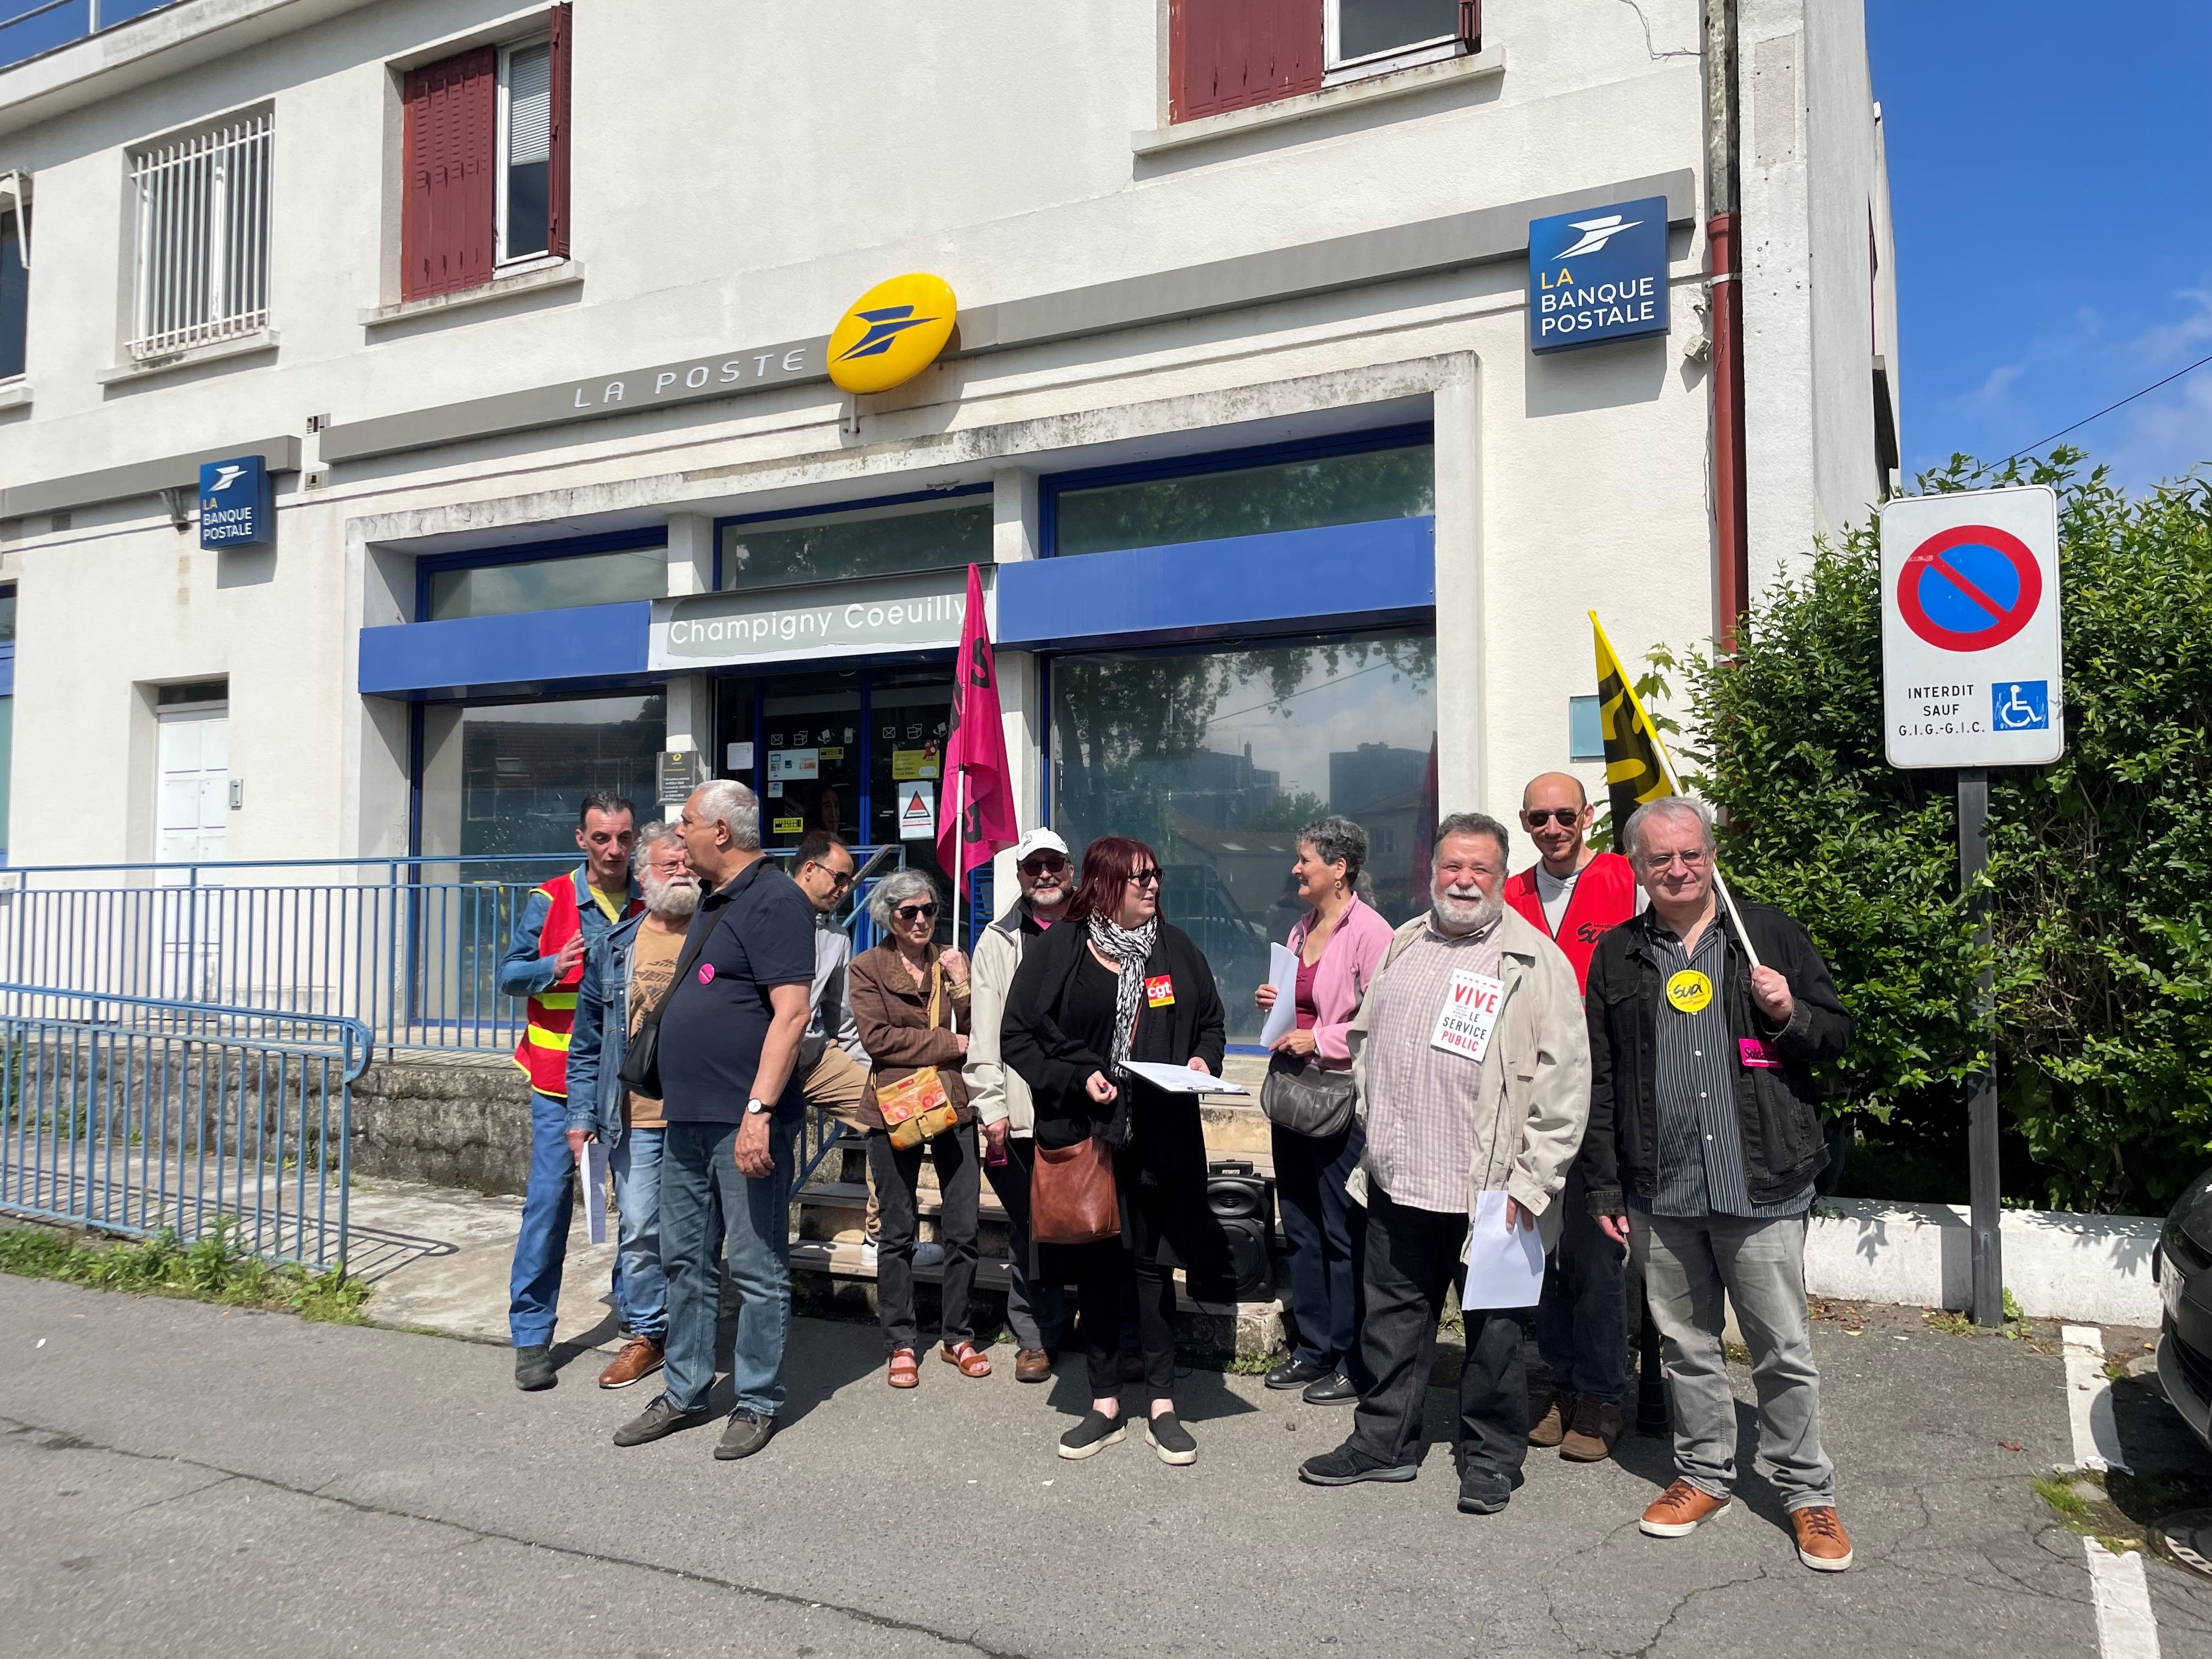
755, 1107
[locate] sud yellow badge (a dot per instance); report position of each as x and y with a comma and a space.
892, 333
1689, 991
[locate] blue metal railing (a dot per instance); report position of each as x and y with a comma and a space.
144, 1115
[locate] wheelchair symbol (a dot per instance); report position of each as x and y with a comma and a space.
2021, 706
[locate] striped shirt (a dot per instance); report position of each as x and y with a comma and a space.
1695, 1063
1421, 1101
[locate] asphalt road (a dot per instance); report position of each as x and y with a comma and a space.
175, 1479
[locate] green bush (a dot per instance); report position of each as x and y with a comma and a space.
2100, 872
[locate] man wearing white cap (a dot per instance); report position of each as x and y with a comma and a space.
1001, 1099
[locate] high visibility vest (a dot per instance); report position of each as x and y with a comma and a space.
551, 1014
1604, 897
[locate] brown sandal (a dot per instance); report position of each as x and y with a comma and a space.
906, 1371
971, 1364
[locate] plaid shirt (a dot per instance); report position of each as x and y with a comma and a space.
1421, 1101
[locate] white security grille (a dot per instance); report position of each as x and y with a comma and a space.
203, 237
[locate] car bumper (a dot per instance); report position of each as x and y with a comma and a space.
2188, 1395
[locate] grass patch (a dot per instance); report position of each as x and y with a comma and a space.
209, 1269
1251, 1364
2062, 1497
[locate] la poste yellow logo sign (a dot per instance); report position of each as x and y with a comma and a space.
892, 333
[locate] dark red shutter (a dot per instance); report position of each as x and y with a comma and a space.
1232, 54
556, 170
1470, 24
450, 224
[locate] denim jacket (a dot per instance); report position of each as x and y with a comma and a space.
600, 1035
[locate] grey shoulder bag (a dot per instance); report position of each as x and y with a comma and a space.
1304, 1097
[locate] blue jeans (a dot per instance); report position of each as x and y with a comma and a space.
1582, 1326
640, 1286
703, 1199
533, 1288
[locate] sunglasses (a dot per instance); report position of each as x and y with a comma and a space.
909, 912
1042, 864
840, 882
1143, 878
1565, 816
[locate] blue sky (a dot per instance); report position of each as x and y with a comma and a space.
2050, 175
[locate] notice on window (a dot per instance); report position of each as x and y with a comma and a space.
794, 763
787, 826
740, 757
909, 764
917, 810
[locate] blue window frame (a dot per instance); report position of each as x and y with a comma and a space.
434, 573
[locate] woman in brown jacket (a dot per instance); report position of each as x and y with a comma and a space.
910, 998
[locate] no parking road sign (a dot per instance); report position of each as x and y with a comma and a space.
1970, 629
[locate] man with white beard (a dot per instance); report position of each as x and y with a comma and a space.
1471, 1061
625, 976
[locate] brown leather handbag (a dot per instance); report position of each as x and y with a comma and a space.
1073, 1198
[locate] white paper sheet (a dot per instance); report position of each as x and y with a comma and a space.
591, 1167
1181, 1080
1283, 974
1503, 1270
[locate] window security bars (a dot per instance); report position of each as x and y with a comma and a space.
203, 241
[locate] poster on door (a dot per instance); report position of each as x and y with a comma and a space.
917, 812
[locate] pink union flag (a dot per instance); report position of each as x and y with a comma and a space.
975, 752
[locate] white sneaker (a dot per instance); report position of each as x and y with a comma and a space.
867, 1253
929, 1255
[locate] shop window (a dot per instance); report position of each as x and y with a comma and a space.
15, 298
503, 779
1232, 54
1585, 730
881, 539
487, 162
1210, 497
201, 204
501, 589
1216, 758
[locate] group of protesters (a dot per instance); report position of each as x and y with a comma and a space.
1600, 1056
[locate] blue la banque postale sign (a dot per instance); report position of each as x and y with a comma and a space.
235, 506
1598, 275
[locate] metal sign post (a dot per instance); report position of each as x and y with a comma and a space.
1972, 678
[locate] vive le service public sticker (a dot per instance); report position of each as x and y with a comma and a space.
1160, 991
1470, 1010
1689, 991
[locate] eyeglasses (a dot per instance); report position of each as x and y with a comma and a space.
1565, 816
1143, 878
1045, 864
909, 912
836, 881
1695, 859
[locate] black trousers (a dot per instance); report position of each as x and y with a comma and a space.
960, 1184
1413, 1260
1327, 1237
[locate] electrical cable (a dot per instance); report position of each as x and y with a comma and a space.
2031, 448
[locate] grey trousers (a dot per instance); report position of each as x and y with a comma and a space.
1688, 1262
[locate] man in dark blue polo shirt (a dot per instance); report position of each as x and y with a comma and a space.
730, 1096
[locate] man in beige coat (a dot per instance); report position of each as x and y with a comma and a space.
1471, 1059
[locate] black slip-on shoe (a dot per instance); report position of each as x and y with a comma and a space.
661, 1418
533, 1367
1348, 1466
1335, 1389
747, 1432
1091, 1436
1165, 1435
1296, 1374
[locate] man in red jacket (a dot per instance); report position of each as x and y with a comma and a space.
1575, 894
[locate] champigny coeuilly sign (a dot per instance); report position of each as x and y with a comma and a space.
920, 612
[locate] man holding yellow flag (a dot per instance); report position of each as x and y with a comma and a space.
1705, 1138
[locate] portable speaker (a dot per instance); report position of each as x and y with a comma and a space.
1242, 1202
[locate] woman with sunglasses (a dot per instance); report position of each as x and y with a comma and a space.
910, 1001
1115, 983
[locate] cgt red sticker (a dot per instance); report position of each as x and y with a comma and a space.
706, 973
1160, 991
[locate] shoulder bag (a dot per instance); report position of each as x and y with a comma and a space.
1305, 1096
917, 1108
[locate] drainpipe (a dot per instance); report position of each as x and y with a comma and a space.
1723, 246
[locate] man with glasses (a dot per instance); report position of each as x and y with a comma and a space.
1034, 1311
1576, 895
830, 1059
1704, 1140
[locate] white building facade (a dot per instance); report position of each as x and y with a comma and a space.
524, 311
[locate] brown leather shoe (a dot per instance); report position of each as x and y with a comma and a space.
1032, 1365
1590, 1436
1678, 1511
1822, 1543
1551, 1427
640, 1357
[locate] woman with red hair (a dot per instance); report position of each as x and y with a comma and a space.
1113, 983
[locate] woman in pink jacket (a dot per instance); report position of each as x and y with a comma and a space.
1340, 943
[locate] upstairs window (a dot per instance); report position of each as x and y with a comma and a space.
487, 162
15, 297
203, 237
1232, 54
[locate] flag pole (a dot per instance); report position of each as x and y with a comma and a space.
960, 853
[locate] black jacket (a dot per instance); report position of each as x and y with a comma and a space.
1778, 1114
1054, 1065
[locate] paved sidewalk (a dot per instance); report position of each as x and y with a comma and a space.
185, 1479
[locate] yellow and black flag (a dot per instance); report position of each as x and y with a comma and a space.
1635, 768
